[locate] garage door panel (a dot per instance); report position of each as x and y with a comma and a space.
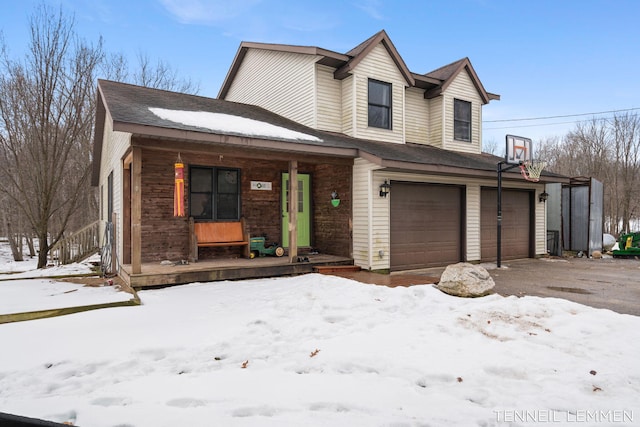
426, 222
516, 224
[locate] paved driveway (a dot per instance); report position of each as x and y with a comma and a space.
601, 283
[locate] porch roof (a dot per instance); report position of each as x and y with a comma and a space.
131, 109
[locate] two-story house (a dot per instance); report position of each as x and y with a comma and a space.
401, 151
436, 212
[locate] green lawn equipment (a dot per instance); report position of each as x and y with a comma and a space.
628, 245
258, 248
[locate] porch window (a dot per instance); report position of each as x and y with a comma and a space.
461, 120
379, 104
214, 193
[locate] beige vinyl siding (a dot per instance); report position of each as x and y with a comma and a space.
380, 226
473, 222
281, 82
114, 147
436, 121
378, 65
463, 88
364, 192
348, 106
417, 116
328, 99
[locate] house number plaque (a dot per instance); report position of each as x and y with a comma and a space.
260, 185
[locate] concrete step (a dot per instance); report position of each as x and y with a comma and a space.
328, 269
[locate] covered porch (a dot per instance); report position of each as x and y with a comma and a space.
161, 249
155, 274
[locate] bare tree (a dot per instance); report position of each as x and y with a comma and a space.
610, 152
46, 117
160, 75
626, 177
492, 147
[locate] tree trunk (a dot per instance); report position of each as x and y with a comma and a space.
16, 250
32, 249
43, 251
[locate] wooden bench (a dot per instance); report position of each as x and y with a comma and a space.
218, 234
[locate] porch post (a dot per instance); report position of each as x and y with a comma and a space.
136, 211
293, 210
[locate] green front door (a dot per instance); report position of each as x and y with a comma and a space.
304, 210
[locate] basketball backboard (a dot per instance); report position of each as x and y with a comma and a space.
519, 150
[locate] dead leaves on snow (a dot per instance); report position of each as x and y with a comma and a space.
245, 364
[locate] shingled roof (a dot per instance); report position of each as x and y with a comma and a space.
129, 107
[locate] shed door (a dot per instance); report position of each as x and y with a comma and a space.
426, 225
516, 224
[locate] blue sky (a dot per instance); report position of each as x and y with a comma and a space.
545, 58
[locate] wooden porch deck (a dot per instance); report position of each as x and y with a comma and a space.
209, 270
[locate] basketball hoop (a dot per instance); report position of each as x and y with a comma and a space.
531, 170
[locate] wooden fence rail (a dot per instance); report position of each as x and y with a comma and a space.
76, 246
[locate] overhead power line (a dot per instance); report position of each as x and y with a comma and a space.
547, 124
559, 117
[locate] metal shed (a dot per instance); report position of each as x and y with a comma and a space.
575, 216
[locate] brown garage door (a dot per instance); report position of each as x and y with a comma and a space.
516, 224
426, 225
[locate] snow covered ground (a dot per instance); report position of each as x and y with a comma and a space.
23, 288
28, 268
318, 350
26, 295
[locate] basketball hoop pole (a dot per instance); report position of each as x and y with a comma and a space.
499, 230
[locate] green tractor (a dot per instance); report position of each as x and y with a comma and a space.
258, 248
628, 245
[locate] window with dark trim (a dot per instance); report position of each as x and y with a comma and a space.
214, 193
461, 120
379, 104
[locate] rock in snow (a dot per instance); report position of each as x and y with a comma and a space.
466, 280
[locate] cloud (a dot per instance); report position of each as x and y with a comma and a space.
371, 8
206, 11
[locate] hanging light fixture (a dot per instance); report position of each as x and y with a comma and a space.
384, 188
542, 198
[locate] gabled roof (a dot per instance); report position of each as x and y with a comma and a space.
328, 57
130, 109
363, 49
449, 72
434, 83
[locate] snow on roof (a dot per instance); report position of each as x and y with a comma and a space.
227, 123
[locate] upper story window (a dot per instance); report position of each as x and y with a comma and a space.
379, 104
461, 120
214, 193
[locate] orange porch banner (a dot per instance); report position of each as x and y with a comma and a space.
178, 193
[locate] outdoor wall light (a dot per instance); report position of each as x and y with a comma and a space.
542, 198
335, 199
384, 188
